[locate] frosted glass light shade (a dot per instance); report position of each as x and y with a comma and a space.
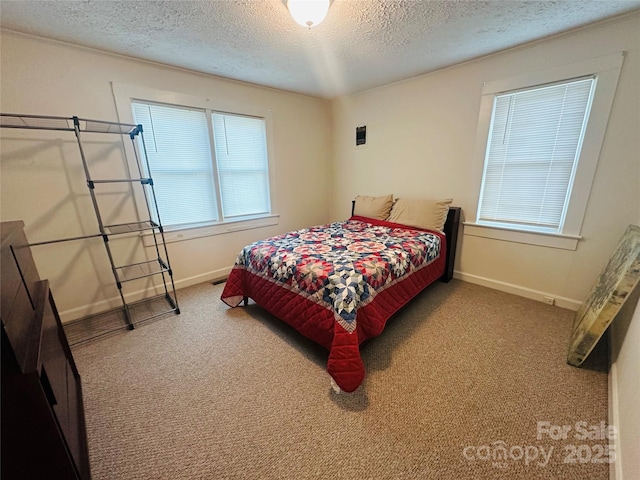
308, 13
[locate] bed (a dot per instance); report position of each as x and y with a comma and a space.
339, 283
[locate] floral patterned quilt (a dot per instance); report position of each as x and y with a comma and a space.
340, 268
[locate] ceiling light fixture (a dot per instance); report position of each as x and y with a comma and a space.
308, 13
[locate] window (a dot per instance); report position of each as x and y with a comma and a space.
241, 153
537, 147
532, 151
178, 144
210, 159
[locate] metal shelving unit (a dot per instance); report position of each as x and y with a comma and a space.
122, 273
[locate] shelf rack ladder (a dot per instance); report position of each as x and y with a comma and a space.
124, 273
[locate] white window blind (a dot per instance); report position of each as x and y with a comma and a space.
532, 152
192, 186
241, 157
179, 153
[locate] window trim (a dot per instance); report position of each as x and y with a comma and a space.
189, 232
124, 94
218, 171
606, 70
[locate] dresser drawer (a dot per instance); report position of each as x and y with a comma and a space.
53, 359
43, 428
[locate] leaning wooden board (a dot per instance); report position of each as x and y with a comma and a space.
608, 294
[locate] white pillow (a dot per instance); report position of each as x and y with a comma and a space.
415, 212
373, 207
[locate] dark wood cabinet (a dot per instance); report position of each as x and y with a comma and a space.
43, 427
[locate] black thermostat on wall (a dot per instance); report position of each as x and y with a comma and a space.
361, 135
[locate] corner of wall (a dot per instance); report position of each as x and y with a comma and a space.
624, 389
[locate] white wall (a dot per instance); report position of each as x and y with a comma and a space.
624, 387
420, 142
43, 184
624, 390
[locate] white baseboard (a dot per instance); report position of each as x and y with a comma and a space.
562, 302
203, 277
115, 302
615, 468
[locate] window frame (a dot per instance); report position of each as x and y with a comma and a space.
220, 171
124, 95
606, 71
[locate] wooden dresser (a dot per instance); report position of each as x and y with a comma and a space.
43, 428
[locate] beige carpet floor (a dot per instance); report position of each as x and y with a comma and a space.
455, 389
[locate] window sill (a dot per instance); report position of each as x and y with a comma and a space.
178, 234
552, 240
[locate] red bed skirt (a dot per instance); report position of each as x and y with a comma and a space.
317, 322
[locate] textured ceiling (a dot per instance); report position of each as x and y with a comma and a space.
362, 43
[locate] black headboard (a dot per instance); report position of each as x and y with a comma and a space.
451, 227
